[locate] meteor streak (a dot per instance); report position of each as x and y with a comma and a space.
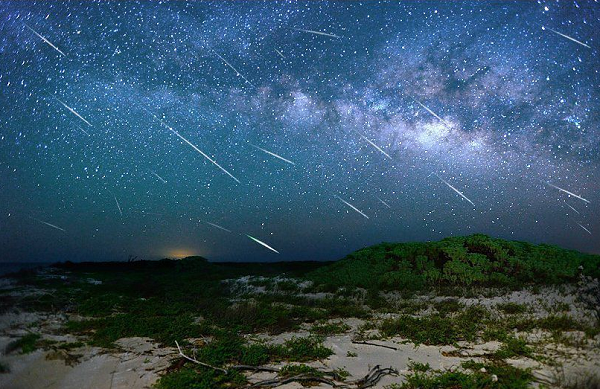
45, 40
433, 113
73, 111
159, 177
568, 37
84, 131
454, 189
234, 69
217, 226
193, 146
569, 193
280, 53
118, 205
374, 145
383, 202
569, 205
316, 32
262, 243
586, 230
351, 206
273, 154
48, 224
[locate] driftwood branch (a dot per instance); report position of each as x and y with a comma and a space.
198, 362
368, 381
371, 379
272, 383
374, 344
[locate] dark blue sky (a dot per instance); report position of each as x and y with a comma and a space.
177, 128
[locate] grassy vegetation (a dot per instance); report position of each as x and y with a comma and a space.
512, 308
437, 329
475, 376
472, 260
26, 344
514, 347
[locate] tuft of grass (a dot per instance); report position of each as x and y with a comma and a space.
4, 368
326, 329
448, 306
436, 329
305, 349
491, 376
511, 308
514, 347
418, 366
27, 344
192, 378
292, 370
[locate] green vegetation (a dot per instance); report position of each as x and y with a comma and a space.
514, 347
512, 308
4, 368
457, 261
437, 329
500, 376
27, 344
330, 328
198, 378
292, 370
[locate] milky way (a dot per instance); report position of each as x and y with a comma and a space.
170, 128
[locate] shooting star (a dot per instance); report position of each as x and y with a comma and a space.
73, 111
84, 131
316, 32
45, 40
273, 154
374, 145
234, 69
262, 243
454, 189
586, 230
569, 193
433, 113
159, 177
351, 206
217, 226
280, 53
383, 202
48, 224
569, 205
566, 36
192, 145
118, 205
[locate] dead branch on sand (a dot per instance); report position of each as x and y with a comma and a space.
374, 344
368, 381
198, 362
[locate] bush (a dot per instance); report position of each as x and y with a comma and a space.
456, 261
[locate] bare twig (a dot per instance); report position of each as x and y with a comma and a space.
374, 344
198, 362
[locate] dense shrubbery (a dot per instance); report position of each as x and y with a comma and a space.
458, 261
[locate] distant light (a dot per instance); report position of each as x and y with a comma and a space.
180, 253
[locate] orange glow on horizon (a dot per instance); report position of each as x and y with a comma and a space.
180, 253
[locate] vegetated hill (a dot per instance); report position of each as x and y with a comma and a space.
472, 260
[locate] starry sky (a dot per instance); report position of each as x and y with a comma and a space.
260, 130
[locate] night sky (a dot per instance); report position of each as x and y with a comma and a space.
166, 129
